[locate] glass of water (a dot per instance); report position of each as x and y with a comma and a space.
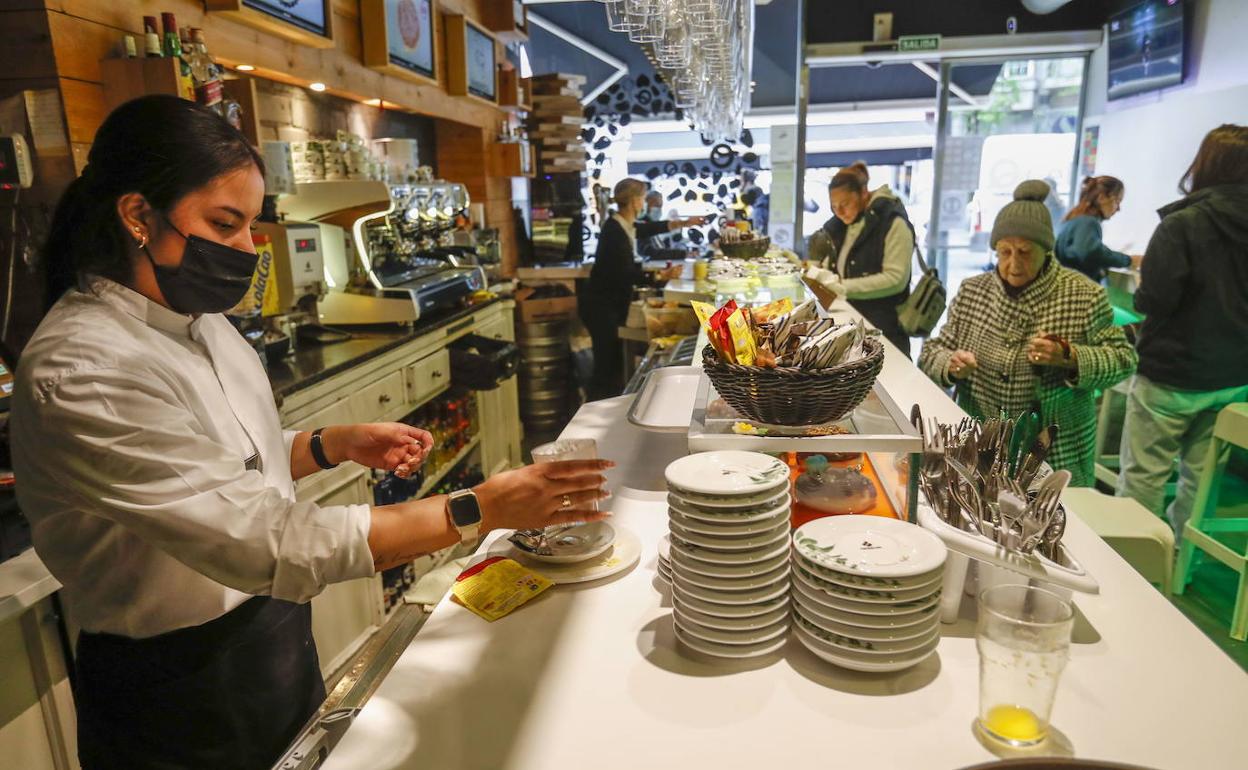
1023, 638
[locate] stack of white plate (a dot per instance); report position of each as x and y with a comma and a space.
665, 560
866, 591
729, 521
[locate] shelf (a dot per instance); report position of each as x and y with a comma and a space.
434, 480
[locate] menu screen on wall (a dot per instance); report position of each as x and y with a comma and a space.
306, 14
409, 35
480, 52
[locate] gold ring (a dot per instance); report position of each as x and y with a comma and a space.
566, 502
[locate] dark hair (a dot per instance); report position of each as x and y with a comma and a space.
1090, 193
1221, 159
160, 146
853, 177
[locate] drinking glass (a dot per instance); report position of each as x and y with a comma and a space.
651, 30
620, 19
1023, 638
567, 449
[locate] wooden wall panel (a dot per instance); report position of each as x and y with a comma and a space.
25, 51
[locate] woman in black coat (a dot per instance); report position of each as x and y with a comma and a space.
615, 274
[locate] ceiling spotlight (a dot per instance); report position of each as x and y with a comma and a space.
244, 68
318, 86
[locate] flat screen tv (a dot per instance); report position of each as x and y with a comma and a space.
1146, 48
480, 53
305, 14
409, 35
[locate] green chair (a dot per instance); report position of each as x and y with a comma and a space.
1143, 539
1201, 530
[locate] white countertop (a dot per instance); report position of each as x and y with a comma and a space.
590, 676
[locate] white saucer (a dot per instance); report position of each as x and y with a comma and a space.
718, 512
582, 542
720, 636
816, 602
867, 581
726, 474
870, 545
740, 651
748, 623
623, 553
729, 610
864, 608
756, 596
875, 596
725, 527
819, 616
746, 583
744, 569
856, 662
778, 532
856, 644
713, 556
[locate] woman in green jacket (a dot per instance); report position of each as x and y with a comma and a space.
1079, 242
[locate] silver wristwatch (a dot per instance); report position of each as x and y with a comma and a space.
465, 513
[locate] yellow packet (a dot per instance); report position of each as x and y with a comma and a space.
742, 338
704, 311
772, 310
497, 586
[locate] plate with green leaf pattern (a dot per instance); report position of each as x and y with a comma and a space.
869, 545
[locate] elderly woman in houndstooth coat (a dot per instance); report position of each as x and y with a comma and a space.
1032, 334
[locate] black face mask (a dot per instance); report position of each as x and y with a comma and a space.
212, 278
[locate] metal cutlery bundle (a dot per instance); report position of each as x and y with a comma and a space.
985, 478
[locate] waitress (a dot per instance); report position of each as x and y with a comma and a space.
159, 483
616, 273
866, 251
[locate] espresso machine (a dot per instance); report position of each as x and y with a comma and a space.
399, 264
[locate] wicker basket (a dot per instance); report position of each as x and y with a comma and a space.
751, 249
790, 396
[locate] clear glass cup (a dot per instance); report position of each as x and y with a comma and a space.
620, 19
567, 449
1023, 638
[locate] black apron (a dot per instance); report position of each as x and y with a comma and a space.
231, 693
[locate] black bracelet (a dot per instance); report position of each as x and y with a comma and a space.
318, 451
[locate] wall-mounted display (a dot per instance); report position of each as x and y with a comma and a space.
309, 22
470, 60
480, 64
400, 37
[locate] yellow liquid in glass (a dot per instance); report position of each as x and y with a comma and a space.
1013, 723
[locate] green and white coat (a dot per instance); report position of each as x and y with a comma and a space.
997, 328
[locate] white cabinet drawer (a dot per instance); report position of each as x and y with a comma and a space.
428, 377
374, 401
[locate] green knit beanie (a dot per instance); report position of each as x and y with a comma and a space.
1026, 216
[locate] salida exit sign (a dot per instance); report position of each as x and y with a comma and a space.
918, 42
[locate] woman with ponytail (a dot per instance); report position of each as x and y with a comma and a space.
159, 483
1079, 244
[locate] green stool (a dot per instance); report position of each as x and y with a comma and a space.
1231, 429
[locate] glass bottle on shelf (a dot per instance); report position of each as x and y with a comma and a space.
207, 75
173, 50
151, 38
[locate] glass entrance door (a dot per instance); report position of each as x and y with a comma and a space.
1024, 127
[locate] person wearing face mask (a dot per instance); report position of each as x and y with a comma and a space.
1079, 245
615, 275
654, 246
158, 481
863, 252
1032, 335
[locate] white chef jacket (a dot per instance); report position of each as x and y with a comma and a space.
132, 427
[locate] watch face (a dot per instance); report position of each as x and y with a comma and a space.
464, 510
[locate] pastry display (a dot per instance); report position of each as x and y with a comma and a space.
834, 490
